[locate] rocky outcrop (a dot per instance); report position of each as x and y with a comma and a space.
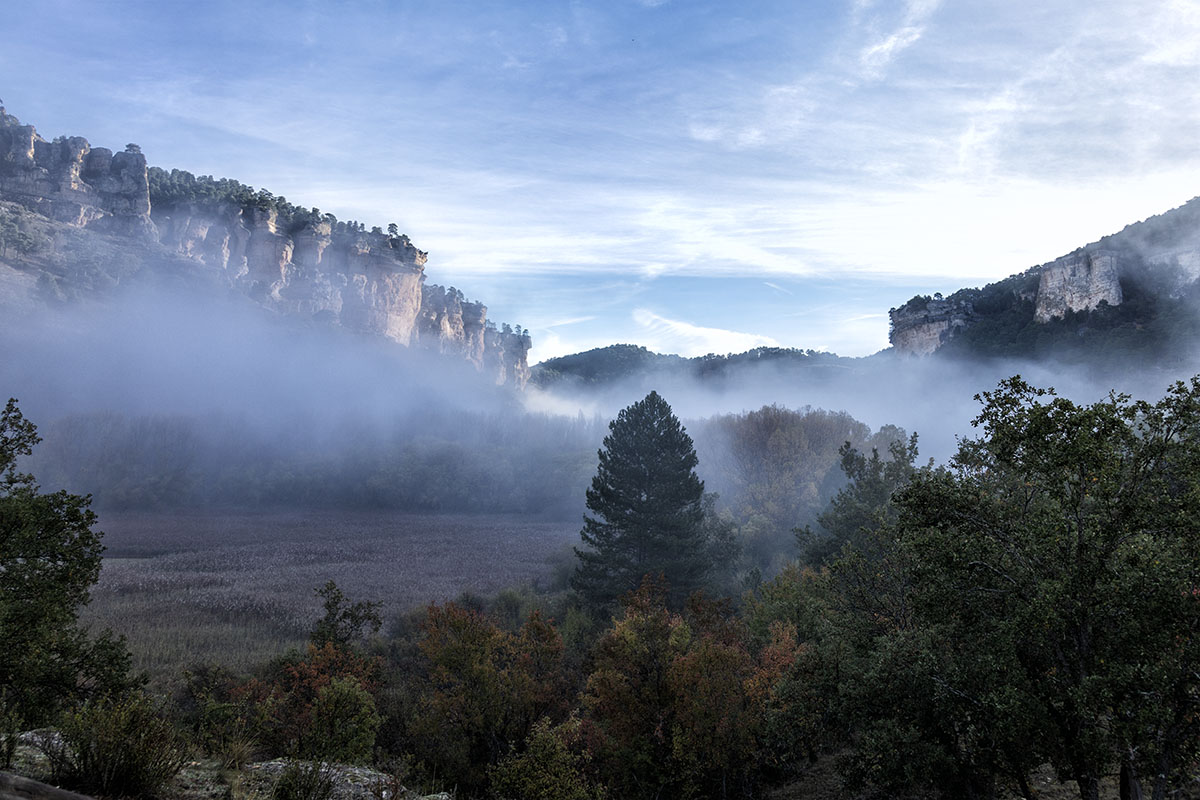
1078, 282
924, 324
372, 283
69, 181
368, 283
16, 787
1160, 254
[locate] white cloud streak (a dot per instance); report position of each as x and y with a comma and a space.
665, 335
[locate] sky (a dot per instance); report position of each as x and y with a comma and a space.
686, 175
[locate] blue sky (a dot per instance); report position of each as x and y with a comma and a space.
692, 176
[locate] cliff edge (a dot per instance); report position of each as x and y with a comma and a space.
1158, 258
96, 219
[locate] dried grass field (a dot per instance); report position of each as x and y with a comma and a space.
237, 588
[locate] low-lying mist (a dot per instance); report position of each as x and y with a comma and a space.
931, 396
160, 400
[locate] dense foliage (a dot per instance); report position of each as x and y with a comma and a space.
956, 632
775, 469
646, 511
49, 559
626, 362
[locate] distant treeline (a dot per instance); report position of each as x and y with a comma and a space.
428, 461
177, 187
618, 362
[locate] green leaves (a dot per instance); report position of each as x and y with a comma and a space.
49, 559
1050, 567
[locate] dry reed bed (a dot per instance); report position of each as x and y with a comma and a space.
237, 588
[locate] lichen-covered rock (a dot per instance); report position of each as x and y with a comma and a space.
350, 782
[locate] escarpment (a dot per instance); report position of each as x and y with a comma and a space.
1160, 257
923, 325
100, 218
1078, 282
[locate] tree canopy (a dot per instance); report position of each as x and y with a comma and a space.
646, 509
49, 559
1040, 603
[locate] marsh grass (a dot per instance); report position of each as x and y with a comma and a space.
237, 589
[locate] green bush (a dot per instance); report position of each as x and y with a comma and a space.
344, 723
546, 770
115, 747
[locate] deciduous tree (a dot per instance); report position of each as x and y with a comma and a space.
49, 559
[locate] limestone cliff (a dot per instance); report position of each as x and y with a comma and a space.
1161, 255
924, 324
1078, 282
69, 181
308, 265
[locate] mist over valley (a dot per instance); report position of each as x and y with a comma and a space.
644, 400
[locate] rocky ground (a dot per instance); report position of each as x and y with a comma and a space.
207, 779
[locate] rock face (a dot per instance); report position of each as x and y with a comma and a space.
924, 324
1078, 282
69, 181
371, 283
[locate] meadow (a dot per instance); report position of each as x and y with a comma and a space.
238, 588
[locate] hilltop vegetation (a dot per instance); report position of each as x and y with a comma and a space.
626, 362
177, 188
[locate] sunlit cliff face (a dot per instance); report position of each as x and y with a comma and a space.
313, 268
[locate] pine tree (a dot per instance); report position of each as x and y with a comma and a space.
647, 515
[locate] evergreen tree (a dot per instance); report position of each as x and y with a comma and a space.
647, 515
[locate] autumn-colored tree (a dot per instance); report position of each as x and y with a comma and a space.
628, 698
716, 720
673, 704
484, 690
279, 707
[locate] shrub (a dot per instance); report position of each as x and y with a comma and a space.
547, 770
115, 747
344, 723
304, 780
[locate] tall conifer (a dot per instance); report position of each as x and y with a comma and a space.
646, 511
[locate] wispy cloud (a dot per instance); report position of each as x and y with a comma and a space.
883, 48
674, 336
890, 138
